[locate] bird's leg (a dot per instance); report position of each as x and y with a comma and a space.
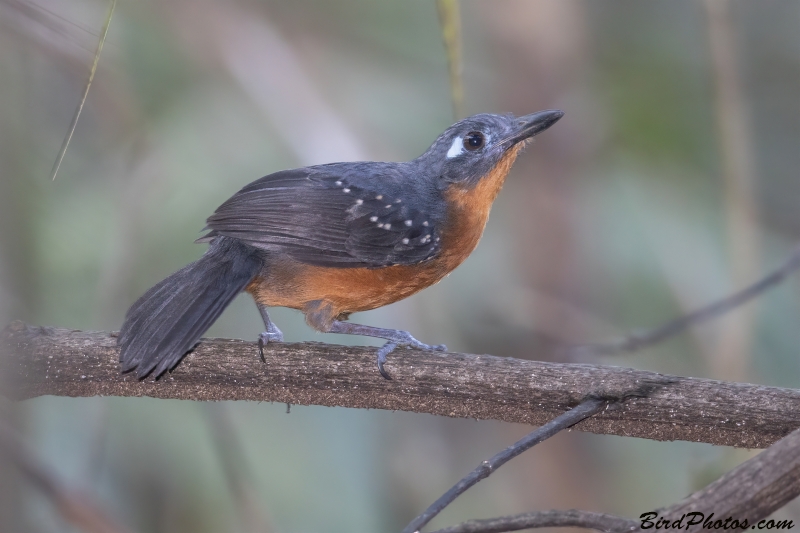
394, 338
271, 334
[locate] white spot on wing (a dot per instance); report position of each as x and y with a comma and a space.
456, 148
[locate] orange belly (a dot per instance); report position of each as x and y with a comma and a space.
346, 290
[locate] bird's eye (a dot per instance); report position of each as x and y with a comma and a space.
474, 141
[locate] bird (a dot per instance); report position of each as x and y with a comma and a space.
334, 239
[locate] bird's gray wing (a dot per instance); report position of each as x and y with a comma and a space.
318, 217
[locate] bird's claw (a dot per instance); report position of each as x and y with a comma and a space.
265, 337
383, 351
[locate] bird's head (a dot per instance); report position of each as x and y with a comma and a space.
471, 148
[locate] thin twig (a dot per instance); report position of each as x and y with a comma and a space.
62, 152
74, 507
450, 22
583, 410
556, 518
637, 341
752, 491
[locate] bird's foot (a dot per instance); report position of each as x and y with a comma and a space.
403, 338
273, 334
394, 338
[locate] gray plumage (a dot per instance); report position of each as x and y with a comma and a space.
330, 216
168, 320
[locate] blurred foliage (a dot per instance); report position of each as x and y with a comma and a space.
614, 220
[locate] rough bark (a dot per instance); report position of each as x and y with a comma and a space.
51, 361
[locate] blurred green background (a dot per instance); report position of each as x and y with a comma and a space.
671, 181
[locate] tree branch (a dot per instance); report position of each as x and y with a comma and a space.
41, 361
571, 518
753, 490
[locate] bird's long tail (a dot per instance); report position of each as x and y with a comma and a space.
168, 320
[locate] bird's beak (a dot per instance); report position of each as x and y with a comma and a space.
530, 125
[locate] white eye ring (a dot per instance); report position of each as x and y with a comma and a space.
457, 148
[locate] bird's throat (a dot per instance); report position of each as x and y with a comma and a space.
468, 211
